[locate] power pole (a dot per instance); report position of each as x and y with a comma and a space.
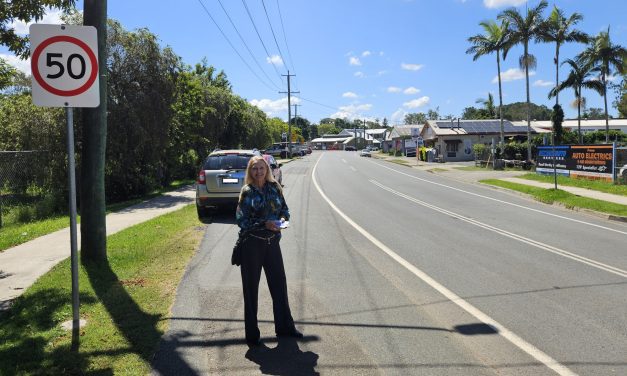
92, 194
289, 110
296, 114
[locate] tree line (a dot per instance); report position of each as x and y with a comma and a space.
164, 116
590, 69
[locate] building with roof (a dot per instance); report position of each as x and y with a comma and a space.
400, 137
454, 139
586, 125
349, 137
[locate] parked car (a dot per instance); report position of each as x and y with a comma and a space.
275, 167
364, 153
350, 148
220, 179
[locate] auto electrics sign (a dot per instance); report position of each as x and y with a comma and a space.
585, 161
64, 65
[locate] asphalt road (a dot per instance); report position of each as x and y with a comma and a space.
396, 271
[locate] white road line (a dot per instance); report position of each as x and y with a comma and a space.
517, 341
535, 243
353, 168
504, 202
344, 160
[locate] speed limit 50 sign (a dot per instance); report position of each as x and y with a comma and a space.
64, 65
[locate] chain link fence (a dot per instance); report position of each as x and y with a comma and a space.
25, 179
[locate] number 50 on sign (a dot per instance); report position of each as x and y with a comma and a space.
64, 65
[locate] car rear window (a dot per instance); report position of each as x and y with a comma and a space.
226, 162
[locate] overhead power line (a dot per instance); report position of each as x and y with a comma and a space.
260, 39
246, 45
273, 34
232, 46
285, 37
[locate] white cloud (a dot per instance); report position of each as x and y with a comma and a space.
394, 89
51, 17
274, 59
512, 74
16, 62
351, 112
411, 67
411, 90
359, 74
349, 94
354, 61
398, 116
381, 53
502, 3
273, 107
366, 53
419, 102
381, 73
543, 83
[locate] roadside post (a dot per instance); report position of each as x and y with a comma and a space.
64, 65
554, 168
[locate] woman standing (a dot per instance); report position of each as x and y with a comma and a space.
260, 210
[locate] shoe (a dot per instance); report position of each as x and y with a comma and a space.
254, 343
292, 333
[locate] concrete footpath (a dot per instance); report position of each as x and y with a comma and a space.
22, 265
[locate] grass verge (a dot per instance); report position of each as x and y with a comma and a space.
399, 161
437, 169
12, 234
126, 303
569, 200
596, 185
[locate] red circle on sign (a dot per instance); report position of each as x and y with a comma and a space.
65, 93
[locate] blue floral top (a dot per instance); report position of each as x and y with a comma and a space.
258, 206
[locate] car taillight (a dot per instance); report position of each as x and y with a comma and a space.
201, 177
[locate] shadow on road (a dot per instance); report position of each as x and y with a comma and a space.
285, 359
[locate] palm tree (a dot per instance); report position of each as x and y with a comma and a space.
559, 29
494, 40
604, 55
488, 105
522, 30
580, 77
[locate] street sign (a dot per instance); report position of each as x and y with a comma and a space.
64, 65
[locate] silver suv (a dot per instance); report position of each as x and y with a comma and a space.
220, 179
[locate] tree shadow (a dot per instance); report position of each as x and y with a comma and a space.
285, 359
24, 349
138, 327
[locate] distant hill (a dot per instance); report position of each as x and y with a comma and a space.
518, 111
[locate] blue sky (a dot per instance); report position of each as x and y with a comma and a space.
360, 59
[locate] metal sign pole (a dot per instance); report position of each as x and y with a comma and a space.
554, 169
73, 242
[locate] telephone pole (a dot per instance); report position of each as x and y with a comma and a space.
296, 113
289, 110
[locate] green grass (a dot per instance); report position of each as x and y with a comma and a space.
571, 201
471, 168
581, 183
15, 233
398, 161
125, 302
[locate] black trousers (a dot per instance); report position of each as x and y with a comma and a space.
258, 254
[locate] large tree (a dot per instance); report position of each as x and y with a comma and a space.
415, 118
25, 11
559, 29
580, 77
607, 58
495, 40
524, 29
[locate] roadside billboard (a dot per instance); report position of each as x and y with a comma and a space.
582, 161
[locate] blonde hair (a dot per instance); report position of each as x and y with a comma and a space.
248, 179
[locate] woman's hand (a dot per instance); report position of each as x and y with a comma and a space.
272, 226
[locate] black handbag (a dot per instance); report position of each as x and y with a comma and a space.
236, 257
